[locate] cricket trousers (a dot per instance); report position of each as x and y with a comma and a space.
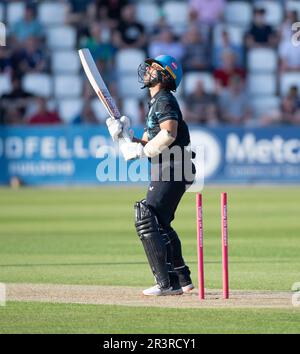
163, 197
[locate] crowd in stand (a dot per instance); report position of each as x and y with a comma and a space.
109, 26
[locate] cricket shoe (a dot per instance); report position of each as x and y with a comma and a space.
185, 280
157, 291
188, 288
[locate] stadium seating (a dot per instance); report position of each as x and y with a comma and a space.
287, 80
238, 13
68, 109
265, 105
129, 87
99, 110
176, 14
262, 60
38, 84
262, 84
5, 84
236, 34
128, 60
50, 13
15, 11
131, 109
65, 62
192, 78
147, 13
62, 37
67, 86
64, 82
1, 12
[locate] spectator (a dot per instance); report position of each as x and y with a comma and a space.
196, 51
87, 115
129, 33
229, 69
43, 115
5, 61
201, 107
16, 100
226, 45
203, 28
294, 94
285, 30
13, 116
260, 33
77, 12
289, 54
165, 42
27, 27
29, 58
234, 103
106, 10
207, 11
102, 50
289, 112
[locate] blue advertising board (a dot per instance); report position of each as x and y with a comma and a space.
68, 154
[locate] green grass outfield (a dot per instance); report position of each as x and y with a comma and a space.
87, 236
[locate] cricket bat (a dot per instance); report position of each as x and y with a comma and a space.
99, 87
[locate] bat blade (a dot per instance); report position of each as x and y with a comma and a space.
99, 86
97, 82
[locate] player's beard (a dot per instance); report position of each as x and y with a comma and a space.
145, 78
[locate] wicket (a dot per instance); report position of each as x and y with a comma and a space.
200, 244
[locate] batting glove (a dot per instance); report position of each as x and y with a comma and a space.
117, 126
126, 126
132, 151
114, 127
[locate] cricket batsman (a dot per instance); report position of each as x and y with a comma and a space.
165, 129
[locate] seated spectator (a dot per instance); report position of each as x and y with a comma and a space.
5, 61
17, 99
196, 51
106, 10
201, 107
234, 103
289, 54
294, 94
12, 116
129, 32
260, 34
208, 11
165, 42
27, 27
203, 28
226, 45
43, 115
285, 29
102, 50
87, 115
77, 12
29, 58
289, 112
228, 70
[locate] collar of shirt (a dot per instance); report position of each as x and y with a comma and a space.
156, 96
